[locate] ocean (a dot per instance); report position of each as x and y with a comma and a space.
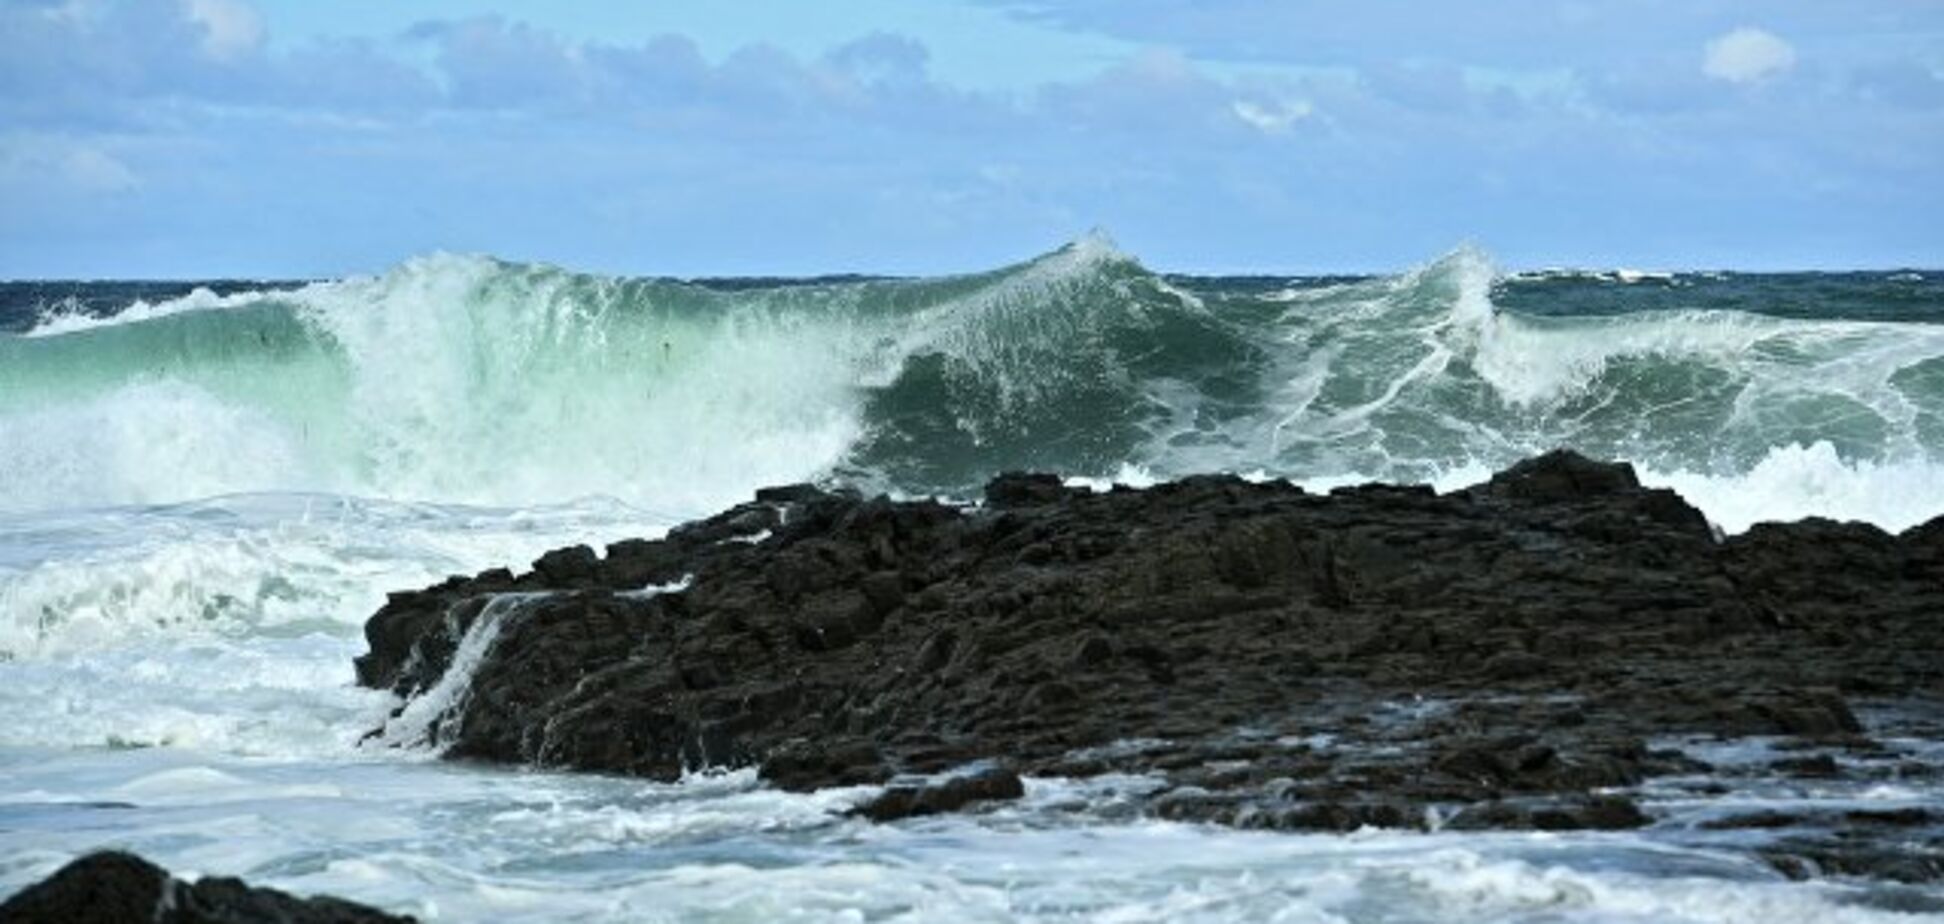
206, 488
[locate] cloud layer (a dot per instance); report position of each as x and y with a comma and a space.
185, 137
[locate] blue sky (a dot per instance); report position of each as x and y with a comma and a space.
182, 138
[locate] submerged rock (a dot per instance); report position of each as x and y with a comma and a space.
113, 887
1380, 655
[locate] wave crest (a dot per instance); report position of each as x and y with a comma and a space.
469, 379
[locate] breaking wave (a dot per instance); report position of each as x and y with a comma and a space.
470, 380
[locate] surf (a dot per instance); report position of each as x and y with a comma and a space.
476, 381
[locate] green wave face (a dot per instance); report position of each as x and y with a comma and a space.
472, 380
1412, 376
466, 379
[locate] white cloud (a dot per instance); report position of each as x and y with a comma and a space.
41, 159
67, 11
230, 27
1273, 118
94, 169
1747, 55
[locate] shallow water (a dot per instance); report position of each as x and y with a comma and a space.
458, 843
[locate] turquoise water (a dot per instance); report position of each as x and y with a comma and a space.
471, 380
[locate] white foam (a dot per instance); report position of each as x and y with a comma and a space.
178, 678
68, 318
449, 378
1769, 366
1795, 481
148, 441
1622, 275
675, 587
251, 565
593, 856
450, 842
423, 723
198, 785
230, 625
1421, 378
478, 383
1540, 361
268, 697
1129, 474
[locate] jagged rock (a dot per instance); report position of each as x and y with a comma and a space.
988, 784
113, 887
1820, 766
1563, 475
1512, 642
1804, 857
1025, 489
814, 766
1594, 813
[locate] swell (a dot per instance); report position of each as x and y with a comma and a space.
1405, 377
462, 379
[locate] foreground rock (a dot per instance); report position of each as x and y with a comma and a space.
118, 888
1497, 657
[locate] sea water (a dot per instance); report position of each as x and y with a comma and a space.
206, 489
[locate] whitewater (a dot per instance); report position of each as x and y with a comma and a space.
203, 496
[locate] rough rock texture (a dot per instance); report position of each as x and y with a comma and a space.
118, 888
1495, 657
954, 792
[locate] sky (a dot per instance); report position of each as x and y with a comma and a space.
291, 138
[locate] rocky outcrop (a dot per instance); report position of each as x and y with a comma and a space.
117, 888
1499, 656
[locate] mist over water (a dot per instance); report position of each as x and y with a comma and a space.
204, 493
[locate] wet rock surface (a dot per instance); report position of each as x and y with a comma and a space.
1514, 655
117, 888
950, 794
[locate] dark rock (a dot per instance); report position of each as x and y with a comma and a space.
812, 766
1563, 475
1094, 649
1821, 766
989, 784
573, 566
1023, 489
884, 590
1804, 857
1819, 714
1594, 813
117, 888
788, 494
1899, 818
1341, 817
1754, 820
1603, 813
1499, 652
